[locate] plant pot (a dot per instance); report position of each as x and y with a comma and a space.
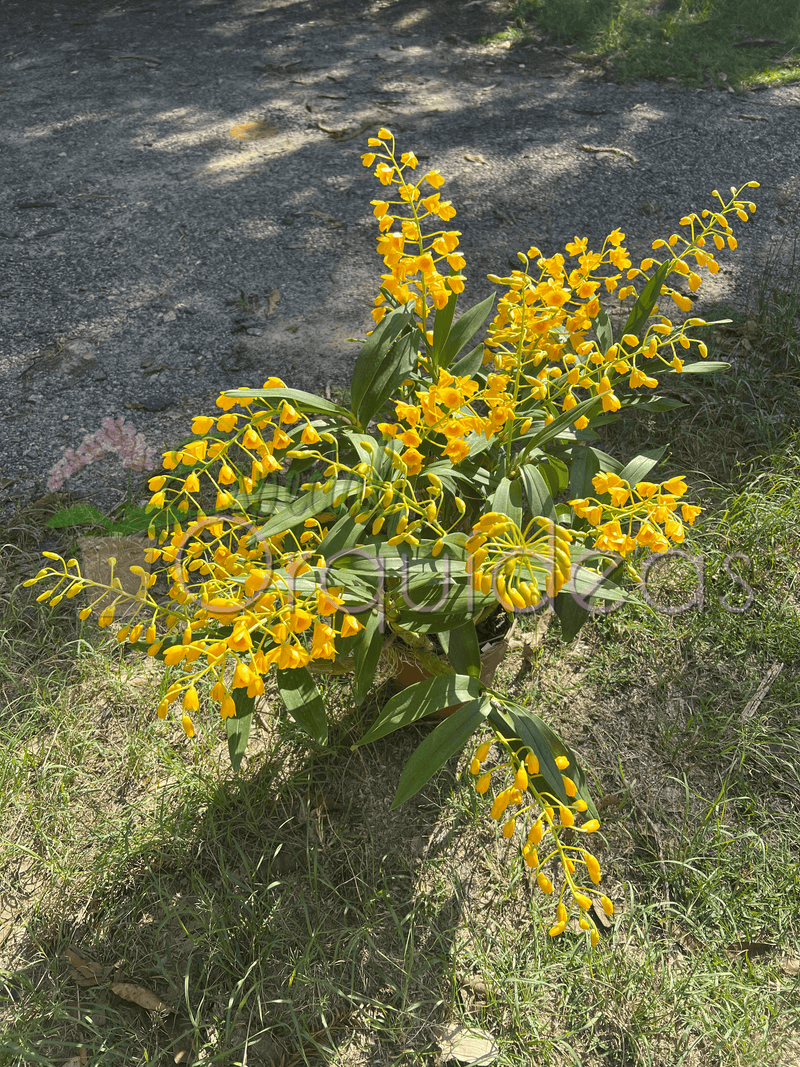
493, 652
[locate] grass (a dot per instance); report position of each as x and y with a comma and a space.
286, 916
698, 42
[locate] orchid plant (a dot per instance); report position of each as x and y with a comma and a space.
294, 536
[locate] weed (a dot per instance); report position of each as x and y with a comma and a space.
700, 42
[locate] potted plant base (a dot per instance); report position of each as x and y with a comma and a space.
494, 634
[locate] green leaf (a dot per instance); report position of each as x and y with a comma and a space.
80, 515
426, 608
517, 723
603, 331
344, 534
390, 371
537, 492
137, 519
555, 473
462, 649
508, 499
467, 365
238, 727
640, 466
374, 352
565, 420
299, 399
586, 462
589, 585
640, 312
366, 655
304, 702
265, 498
650, 403
571, 614
706, 367
464, 330
419, 700
442, 321
307, 505
449, 737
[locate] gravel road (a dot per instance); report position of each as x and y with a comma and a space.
183, 208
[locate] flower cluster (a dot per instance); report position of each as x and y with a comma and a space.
413, 258
521, 805
638, 516
509, 562
446, 414
541, 332
114, 435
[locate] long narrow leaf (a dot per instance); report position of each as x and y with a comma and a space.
521, 724
447, 739
302, 400
424, 698
442, 321
640, 312
571, 614
306, 506
603, 330
537, 492
526, 731
640, 466
304, 702
469, 363
372, 351
706, 367
238, 726
565, 420
464, 330
508, 499
393, 368
462, 649
366, 655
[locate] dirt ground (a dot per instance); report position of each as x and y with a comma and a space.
183, 208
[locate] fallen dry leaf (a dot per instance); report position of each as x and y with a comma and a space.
86, 972
475, 1047
253, 131
139, 995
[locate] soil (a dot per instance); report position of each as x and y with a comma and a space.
183, 208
